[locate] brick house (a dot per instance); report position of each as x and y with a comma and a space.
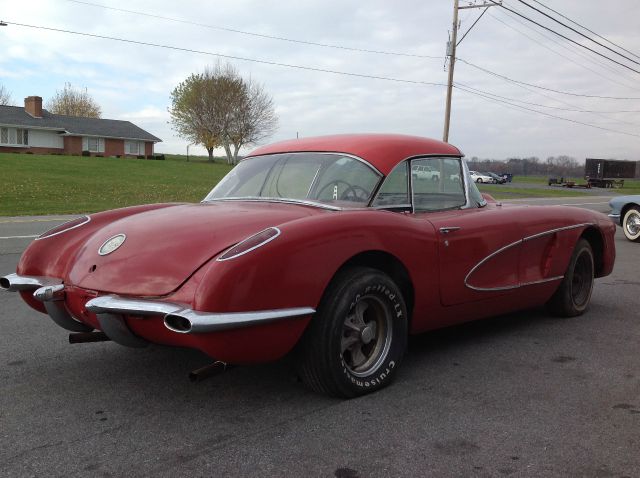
34, 129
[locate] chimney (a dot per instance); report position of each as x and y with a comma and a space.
33, 106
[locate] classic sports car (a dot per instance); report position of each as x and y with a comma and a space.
327, 248
625, 211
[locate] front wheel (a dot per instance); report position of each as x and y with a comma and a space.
357, 339
631, 225
573, 296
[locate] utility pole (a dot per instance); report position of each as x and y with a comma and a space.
451, 53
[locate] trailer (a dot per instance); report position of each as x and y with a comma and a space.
610, 173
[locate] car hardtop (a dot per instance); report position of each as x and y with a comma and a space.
382, 151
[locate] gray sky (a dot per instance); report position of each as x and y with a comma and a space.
133, 82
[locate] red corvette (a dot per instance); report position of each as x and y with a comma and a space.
332, 248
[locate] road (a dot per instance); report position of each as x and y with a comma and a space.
518, 395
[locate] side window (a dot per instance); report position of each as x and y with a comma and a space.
394, 192
437, 184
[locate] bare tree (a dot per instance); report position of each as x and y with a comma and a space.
5, 96
74, 102
218, 108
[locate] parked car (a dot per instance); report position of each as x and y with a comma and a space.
424, 172
327, 248
480, 177
625, 211
497, 179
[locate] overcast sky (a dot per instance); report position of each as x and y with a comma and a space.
133, 82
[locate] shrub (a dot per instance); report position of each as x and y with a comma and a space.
99, 155
86, 153
141, 156
159, 157
29, 152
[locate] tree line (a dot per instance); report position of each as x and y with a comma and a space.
553, 166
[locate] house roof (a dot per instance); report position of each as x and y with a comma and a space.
75, 125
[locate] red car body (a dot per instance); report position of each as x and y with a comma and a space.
451, 265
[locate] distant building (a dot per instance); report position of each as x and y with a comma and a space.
34, 129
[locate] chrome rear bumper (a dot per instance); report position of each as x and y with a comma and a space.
15, 282
110, 309
181, 319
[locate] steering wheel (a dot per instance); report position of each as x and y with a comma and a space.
351, 193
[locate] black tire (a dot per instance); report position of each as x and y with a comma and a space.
631, 224
479, 180
573, 296
357, 338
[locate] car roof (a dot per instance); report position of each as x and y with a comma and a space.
383, 151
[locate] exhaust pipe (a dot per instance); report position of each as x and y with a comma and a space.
211, 370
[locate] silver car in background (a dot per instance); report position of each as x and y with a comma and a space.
625, 211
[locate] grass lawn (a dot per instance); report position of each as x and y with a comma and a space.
43, 184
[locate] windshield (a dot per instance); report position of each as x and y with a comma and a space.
328, 178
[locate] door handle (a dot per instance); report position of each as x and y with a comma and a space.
448, 229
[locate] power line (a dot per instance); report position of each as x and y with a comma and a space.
578, 32
585, 28
565, 37
548, 89
253, 34
573, 110
546, 114
232, 57
579, 52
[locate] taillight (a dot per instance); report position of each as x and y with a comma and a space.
250, 243
67, 226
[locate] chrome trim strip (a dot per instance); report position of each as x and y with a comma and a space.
511, 287
559, 229
121, 305
88, 219
219, 258
278, 200
513, 244
193, 322
614, 216
15, 282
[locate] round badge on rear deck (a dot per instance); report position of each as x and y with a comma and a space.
111, 244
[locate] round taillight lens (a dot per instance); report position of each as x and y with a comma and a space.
250, 243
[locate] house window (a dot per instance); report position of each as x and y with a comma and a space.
95, 145
4, 135
132, 147
22, 136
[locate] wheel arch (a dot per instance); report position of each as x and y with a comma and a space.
390, 265
596, 241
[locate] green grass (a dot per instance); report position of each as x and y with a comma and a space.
42, 184
35, 184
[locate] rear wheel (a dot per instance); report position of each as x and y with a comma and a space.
356, 340
631, 225
479, 180
573, 296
